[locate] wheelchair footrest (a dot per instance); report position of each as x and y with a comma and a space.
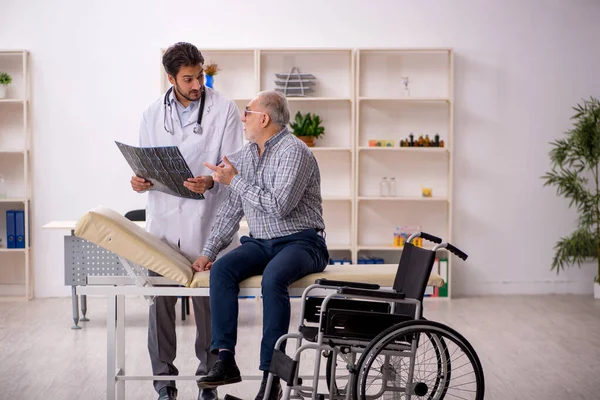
283, 366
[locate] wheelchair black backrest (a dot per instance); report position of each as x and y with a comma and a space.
412, 275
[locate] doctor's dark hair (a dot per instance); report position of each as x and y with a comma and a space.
179, 55
276, 105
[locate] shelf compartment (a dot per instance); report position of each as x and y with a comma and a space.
395, 121
338, 224
236, 78
412, 170
332, 69
336, 118
12, 168
12, 128
336, 174
13, 64
377, 221
381, 72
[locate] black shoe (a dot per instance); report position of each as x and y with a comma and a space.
275, 394
167, 393
222, 373
208, 394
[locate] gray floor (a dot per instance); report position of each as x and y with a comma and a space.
538, 347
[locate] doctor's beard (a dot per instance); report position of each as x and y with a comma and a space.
192, 95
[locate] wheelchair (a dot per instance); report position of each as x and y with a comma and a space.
377, 343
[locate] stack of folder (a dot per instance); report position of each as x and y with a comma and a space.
15, 229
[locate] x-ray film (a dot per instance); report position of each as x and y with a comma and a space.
164, 167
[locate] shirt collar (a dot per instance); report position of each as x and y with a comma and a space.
173, 101
273, 140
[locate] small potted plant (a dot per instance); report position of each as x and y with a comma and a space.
5, 80
307, 127
210, 70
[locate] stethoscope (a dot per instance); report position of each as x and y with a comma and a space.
167, 104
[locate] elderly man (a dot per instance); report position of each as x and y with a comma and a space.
278, 189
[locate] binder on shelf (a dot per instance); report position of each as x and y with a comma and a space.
11, 239
20, 229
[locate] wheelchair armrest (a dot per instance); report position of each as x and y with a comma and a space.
358, 285
381, 294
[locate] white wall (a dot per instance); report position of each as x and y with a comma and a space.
520, 67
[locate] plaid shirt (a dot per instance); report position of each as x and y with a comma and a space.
279, 192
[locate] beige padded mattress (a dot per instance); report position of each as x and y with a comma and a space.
114, 232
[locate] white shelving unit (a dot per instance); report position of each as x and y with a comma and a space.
15, 140
387, 111
359, 95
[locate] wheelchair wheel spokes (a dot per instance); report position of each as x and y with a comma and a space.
441, 364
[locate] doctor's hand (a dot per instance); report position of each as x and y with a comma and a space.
140, 184
199, 184
224, 173
202, 263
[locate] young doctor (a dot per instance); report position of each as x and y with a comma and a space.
206, 127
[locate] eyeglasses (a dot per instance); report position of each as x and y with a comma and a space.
246, 112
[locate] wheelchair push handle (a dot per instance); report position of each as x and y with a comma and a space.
425, 236
452, 249
456, 251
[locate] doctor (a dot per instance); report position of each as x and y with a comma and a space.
205, 126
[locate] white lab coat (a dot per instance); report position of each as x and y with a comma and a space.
189, 221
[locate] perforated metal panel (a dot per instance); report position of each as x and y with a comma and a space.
83, 259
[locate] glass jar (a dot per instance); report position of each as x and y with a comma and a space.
384, 187
3, 191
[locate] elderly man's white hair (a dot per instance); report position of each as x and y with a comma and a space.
275, 104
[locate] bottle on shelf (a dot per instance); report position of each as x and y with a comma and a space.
384, 187
392, 187
397, 238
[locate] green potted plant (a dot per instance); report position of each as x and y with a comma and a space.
574, 159
307, 127
5, 80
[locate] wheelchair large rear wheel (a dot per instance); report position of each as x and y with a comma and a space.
419, 360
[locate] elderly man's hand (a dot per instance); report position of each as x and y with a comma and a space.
199, 184
202, 263
224, 173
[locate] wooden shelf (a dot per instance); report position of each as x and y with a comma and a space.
339, 247
336, 198
307, 98
5, 250
330, 149
442, 150
408, 99
386, 247
12, 101
13, 200
402, 198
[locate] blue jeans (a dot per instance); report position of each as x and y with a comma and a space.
281, 262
